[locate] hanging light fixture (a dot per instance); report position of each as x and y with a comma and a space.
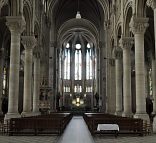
78, 15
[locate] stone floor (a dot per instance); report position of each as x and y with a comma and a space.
28, 139
77, 132
126, 139
54, 139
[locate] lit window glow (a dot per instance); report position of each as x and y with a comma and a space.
78, 46
88, 46
68, 45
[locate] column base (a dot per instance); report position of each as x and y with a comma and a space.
8, 116
118, 113
143, 116
36, 113
127, 114
154, 113
154, 125
26, 114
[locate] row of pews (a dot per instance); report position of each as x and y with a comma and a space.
2, 126
53, 123
126, 125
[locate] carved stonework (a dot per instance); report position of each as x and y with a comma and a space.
151, 3
139, 25
3, 2
117, 53
15, 24
126, 42
107, 25
29, 42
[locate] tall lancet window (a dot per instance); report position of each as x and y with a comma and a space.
67, 62
95, 65
4, 81
60, 65
89, 64
78, 62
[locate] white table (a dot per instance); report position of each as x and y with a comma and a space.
111, 128
107, 127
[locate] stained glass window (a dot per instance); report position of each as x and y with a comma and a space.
60, 66
89, 89
78, 62
89, 63
66, 89
4, 81
78, 88
67, 62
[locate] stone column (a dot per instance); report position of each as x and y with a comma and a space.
36, 84
126, 44
16, 26
154, 84
154, 92
29, 43
1, 77
138, 27
153, 68
118, 76
51, 77
107, 28
154, 8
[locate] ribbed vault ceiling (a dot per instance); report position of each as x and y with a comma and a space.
67, 9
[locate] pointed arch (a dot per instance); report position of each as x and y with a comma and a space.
139, 7
128, 12
27, 13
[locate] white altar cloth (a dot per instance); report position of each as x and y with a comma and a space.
107, 127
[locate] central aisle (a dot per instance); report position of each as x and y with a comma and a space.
76, 132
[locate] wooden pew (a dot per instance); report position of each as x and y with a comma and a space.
126, 125
49, 124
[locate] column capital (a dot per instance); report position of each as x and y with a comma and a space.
29, 42
117, 53
15, 23
126, 42
138, 25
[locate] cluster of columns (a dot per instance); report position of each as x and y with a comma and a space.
138, 27
154, 62
118, 75
154, 69
16, 26
126, 45
1, 76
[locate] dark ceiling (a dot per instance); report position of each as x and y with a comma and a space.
89, 9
